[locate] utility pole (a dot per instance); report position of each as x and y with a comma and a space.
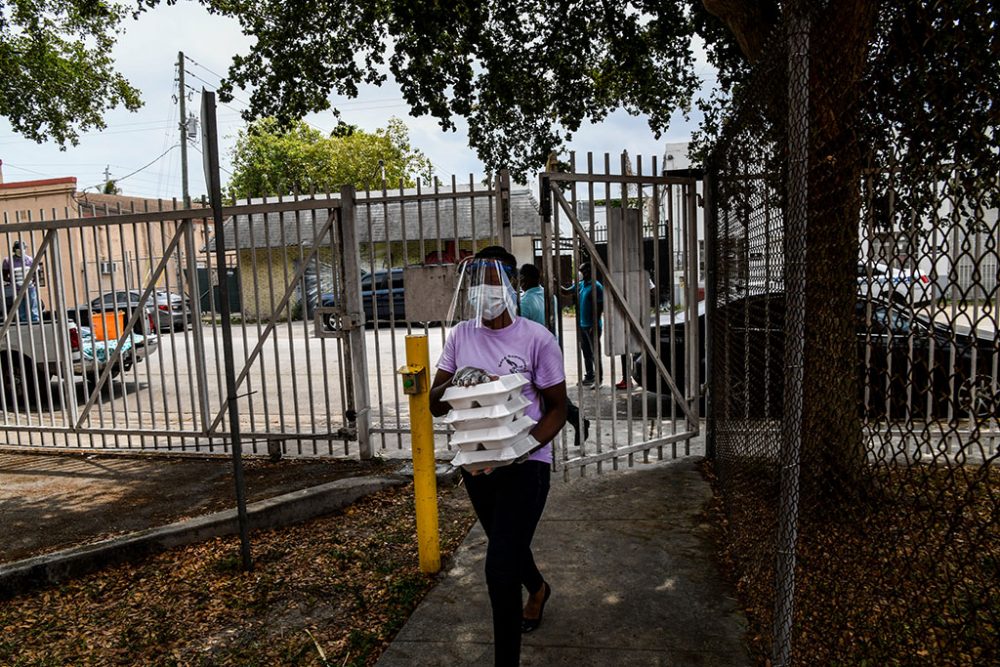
182, 98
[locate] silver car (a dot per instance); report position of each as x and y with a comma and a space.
168, 310
173, 311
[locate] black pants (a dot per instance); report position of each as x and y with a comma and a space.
573, 418
509, 502
590, 359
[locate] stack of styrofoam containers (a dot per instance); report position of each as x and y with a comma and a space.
491, 429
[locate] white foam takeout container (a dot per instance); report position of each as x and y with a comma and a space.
493, 458
495, 437
487, 416
499, 391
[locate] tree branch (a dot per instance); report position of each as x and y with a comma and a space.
749, 21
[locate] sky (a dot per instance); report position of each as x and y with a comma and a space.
147, 55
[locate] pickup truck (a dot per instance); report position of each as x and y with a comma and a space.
139, 345
33, 353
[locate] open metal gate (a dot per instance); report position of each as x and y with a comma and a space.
641, 236
401, 250
406, 246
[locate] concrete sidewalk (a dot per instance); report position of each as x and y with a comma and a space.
633, 576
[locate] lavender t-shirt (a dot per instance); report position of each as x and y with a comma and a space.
522, 347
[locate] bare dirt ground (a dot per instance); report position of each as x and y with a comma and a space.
54, 501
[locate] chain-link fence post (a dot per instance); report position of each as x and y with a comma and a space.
795, 280
711, 300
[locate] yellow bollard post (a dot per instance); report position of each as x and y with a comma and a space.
416, 384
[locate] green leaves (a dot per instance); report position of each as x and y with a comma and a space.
270, 159
57, 78
525, 74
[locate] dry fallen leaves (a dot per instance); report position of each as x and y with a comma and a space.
342, 585
912, 577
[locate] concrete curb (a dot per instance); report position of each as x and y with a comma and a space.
281, 510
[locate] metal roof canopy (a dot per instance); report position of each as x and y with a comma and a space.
380, 217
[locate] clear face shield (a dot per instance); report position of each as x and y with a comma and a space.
484, 291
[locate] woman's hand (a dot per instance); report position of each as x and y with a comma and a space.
469, 376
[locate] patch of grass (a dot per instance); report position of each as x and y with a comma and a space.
360, 643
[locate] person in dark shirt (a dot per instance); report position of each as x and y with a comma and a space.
15, 269
533, 308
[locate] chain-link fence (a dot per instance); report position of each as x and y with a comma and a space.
854, 341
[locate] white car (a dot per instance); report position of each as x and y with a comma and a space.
878, 281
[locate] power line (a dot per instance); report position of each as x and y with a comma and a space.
155, 128
30, 171
198, 151
195, 62
207, 83
145, 166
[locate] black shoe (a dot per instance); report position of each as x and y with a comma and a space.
531, 624
587, 381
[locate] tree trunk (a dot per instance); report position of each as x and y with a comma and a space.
833, 454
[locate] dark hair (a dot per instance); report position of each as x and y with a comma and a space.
498, 252
531, 272
584, 267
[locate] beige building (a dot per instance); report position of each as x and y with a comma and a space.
92, 261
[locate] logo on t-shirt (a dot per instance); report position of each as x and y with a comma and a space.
513, 363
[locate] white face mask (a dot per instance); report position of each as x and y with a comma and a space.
489, 300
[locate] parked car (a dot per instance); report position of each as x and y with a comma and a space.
86, 314
381, 297
906, 363
173, 311
163, 311
899, 285
648, 376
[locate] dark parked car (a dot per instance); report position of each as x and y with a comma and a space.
902, 360
165, 310
381, 296
173, 311
85, 314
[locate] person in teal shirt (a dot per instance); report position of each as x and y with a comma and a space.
590, 307
533, 295
533, 308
